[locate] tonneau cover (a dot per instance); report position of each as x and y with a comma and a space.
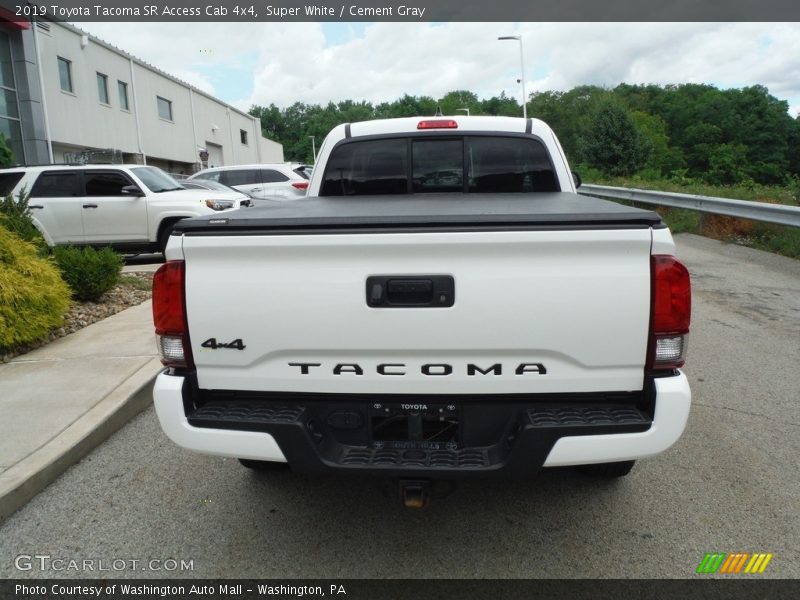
424, 211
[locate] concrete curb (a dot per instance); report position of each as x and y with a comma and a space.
23, 481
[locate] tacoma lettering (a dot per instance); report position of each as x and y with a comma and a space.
531, 368
429, 370
347, 368
496, 369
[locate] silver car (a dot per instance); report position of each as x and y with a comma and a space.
286, 181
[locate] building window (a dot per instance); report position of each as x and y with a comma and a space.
164, 108
243, 136
6, 70
9, 110
102, 88
123, 95
65, 74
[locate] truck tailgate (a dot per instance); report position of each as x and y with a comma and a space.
534, 311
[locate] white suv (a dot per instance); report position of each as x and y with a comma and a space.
286, 181
128, 207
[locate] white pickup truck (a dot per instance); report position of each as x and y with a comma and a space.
443, 304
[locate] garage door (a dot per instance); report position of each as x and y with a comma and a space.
214, 155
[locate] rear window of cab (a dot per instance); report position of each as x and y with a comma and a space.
414, 165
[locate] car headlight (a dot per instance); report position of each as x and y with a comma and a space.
220, 204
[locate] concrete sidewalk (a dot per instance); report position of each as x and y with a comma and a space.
60, 401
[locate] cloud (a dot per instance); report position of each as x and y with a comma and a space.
192, 52
283, 63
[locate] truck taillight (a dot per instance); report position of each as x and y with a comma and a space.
169, 315
670, 313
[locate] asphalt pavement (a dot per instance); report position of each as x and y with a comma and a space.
730, 484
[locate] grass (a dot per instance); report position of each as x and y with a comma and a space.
134, 282
755, 192
776, 238
763, 236
681, 220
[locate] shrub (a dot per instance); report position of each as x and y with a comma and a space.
89, 272
16, 217
33, 297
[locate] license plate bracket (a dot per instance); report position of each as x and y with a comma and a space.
414, 425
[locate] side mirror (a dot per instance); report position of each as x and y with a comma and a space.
131, 190
576, 179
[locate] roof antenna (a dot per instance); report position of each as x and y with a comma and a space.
438, 111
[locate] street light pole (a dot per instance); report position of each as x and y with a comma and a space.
522, 66
313, 148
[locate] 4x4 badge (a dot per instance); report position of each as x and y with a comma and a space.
212, 343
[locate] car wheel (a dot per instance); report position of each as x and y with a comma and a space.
614, 469
263, 465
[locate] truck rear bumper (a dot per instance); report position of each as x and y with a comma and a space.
551, 433
672, 402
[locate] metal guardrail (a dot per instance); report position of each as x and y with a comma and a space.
780, 214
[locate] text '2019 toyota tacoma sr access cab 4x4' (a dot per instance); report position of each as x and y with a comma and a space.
442, 305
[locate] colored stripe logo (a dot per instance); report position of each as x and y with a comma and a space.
734, 563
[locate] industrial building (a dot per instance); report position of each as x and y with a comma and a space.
66, 96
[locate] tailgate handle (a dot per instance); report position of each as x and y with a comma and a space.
417, 291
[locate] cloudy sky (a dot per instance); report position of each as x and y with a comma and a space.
263, 63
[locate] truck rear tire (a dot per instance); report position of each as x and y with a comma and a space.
263, 465
615, 469
163, 236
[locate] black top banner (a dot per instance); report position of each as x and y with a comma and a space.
402, 10
397, 589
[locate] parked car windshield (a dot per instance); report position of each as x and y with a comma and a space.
156, 180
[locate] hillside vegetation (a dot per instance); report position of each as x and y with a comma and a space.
692, 132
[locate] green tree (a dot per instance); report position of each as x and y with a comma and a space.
793, 143
699, 142
272, 123
727, 164
695, 129
501, 106
612, 143
568, 113
452, 101
406, 106
664, 159
763, 128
